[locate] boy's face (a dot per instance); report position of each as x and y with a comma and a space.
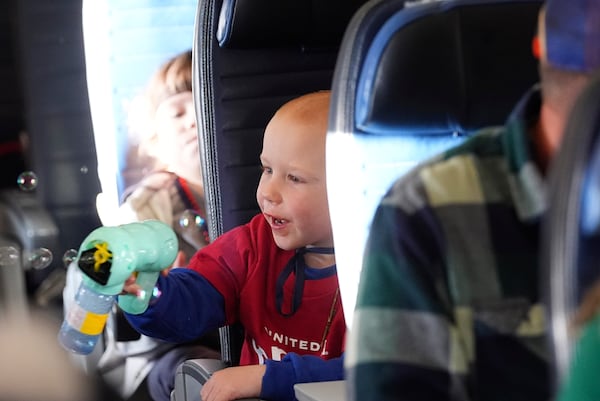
292, 193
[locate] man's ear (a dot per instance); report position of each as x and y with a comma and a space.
536, 47
538, 44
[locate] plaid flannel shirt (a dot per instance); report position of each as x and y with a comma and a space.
449, 304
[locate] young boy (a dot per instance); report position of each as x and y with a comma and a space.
276, 274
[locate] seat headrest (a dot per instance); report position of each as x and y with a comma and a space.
461, 68
284, 23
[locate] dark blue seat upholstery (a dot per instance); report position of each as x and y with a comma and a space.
412, 80
250, 57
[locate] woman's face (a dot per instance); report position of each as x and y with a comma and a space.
177, 136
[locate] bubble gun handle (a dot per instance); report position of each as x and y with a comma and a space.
137, 304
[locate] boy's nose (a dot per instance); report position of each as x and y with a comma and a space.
269, 192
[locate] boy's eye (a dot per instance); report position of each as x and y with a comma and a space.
293, 178
266, 170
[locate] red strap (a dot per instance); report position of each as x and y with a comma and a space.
190, 196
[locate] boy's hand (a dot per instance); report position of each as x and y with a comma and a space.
180, 260
234, 383
130, 286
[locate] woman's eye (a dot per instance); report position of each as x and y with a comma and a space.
266, 170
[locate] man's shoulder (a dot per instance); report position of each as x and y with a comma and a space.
486, 142
451, 176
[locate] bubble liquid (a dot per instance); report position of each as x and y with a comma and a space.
85, 320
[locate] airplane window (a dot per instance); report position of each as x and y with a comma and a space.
125, 41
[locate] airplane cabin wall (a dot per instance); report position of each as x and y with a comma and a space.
48, 41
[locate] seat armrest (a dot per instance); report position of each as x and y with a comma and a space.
191, 376
321, 391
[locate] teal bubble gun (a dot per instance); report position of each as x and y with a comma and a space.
108, 256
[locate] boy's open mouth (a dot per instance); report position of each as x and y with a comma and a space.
276, 221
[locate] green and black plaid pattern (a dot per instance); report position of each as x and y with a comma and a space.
448, 306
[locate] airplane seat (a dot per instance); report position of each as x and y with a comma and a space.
571, 230
413, 79
250, 57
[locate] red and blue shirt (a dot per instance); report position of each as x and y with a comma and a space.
234, 279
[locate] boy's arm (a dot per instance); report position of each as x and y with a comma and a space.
204, 295
280, 376
187, 307
273, 381
238, 382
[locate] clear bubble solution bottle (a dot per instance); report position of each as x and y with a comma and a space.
85, 320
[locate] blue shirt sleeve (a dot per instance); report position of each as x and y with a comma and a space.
280, 376
188, 306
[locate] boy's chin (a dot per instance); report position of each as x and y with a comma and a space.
285, 243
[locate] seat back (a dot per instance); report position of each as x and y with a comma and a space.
250, 57
572, 228
412, 80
